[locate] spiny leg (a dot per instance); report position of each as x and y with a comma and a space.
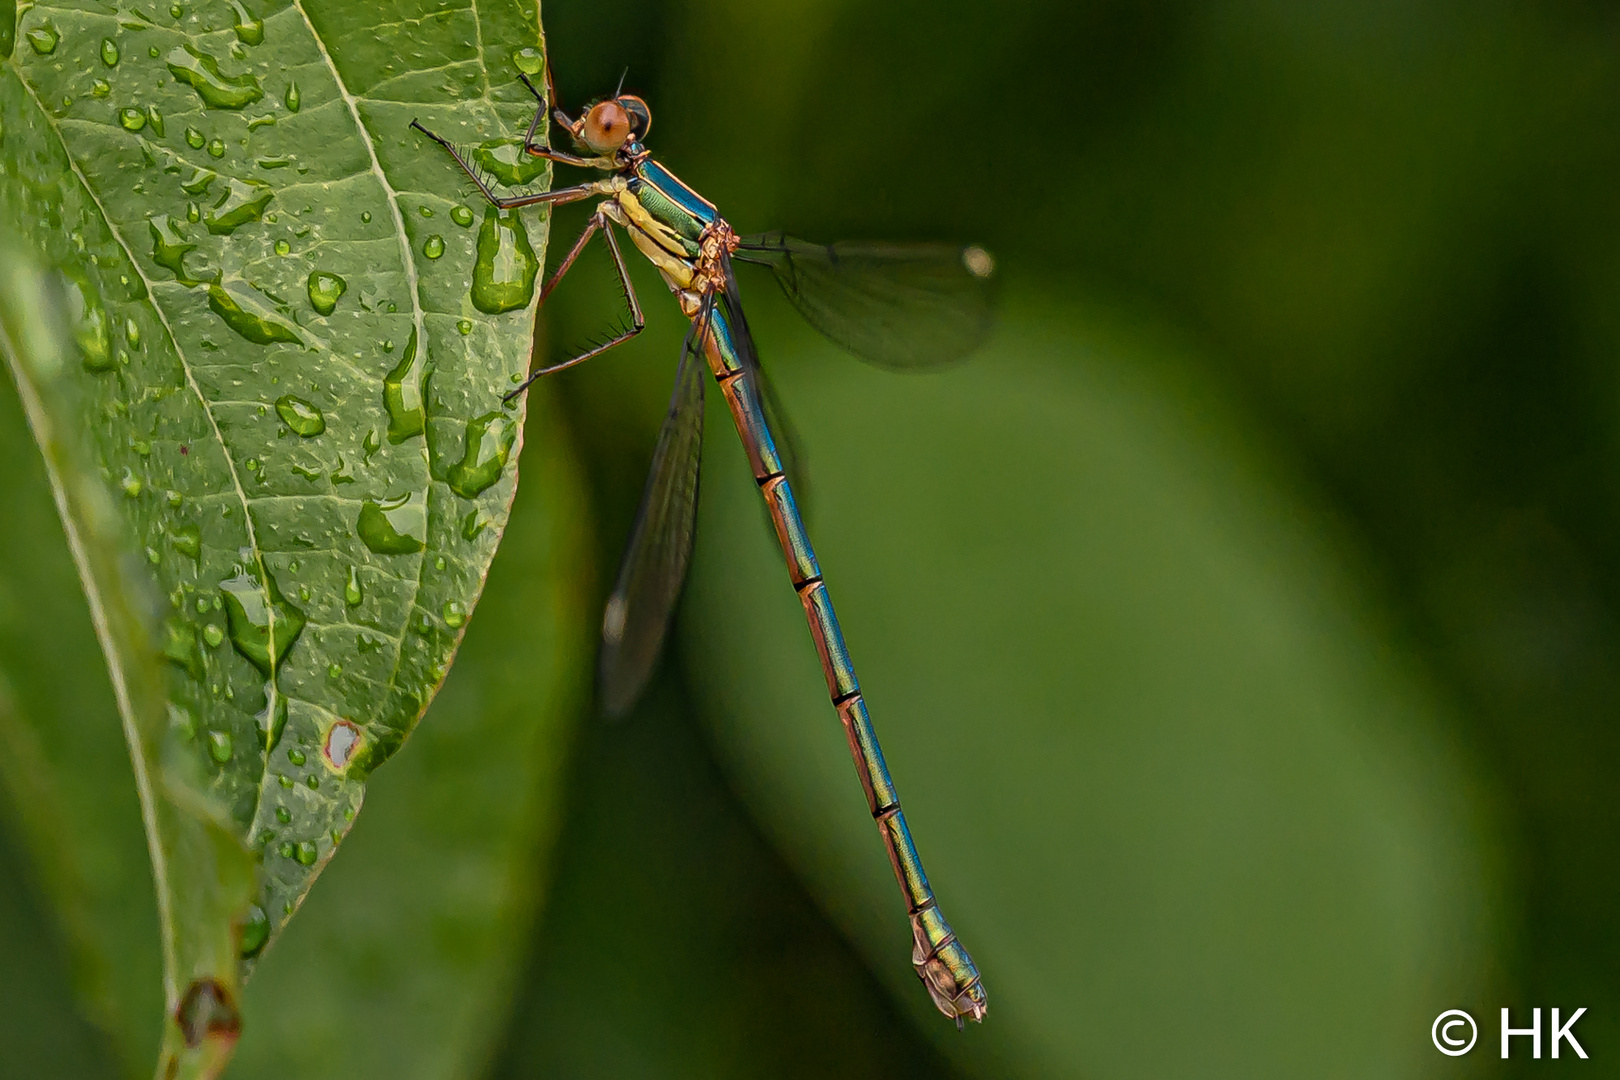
598, 221
513, 202
536, 149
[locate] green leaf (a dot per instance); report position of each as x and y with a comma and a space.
280, 403
1188, 807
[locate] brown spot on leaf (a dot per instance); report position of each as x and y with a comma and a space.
207, 1012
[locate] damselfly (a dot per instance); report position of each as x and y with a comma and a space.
899, 306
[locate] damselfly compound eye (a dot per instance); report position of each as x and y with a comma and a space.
640, 115
607, 127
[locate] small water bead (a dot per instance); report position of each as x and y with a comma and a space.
287, 850
187, 540
109, 52
131, 119
465, 326
324, 291
153, 557
43, 39
176, 11
100, 88
426, 211
202, 606
285, 781
296, 757
462, 216
312, 782
255, 930
252, 464
216, 148
365, 216
352, 592
454, 615
307, 853
386, 346
154, 52
529, 60
174, 497
213, 635
303, 592
220, 746
283, 815
193, 212
434, 248
194, 138
372, 444
301, 416
283, 248
334, 670
292, 98
132, 485
439, 563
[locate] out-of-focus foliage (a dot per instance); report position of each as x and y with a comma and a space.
1239, 623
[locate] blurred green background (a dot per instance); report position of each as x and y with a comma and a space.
1241, 622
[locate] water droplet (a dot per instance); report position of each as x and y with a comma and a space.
307, 853
220, 746
283, 248
175, 11
255, 931
454, 615
305, 419
312, 782
292, 98
131, 119
216, 148
395, 526
439, 563
387, 346
425, 211
174, 497
324, 290
404, 392
153, 557
131, 484
206, 1012
471, 526
100, 88
43, 40
287, 850
334, 670
462, 216
503, 276
263, 627
489, 443
341, 741
201, 72
248, 318
372, 444
153, 51
529, 60
352, 593
465, 326
213, 636
169, 247
434, 248
92, 328
285, 781
109, 52
296, 756
242, 202
249, 31
365, 216
257, 122
283, 815
508, 162
156, 118
194, 138
198, 182
187, 540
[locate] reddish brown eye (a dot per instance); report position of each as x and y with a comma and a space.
607, 126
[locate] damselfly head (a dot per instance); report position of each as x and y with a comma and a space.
612, 123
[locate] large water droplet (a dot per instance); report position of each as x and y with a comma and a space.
503, 276
454, 614
489, 443
220, 746
461, 215
247, 317
263, 625
434, 248
201, 72
529, 60
131, 119
305, 419
395, 526
249, 31
109, 52
508, 162
43, 39
352, 592
216, 148
324, 290
307, 853
296, 756
206, 1011
212, 636
292, 98
92, 328
404, 393
169, 247
187, 540
194, 138
255, 930
243, 201
283, 815
100, 88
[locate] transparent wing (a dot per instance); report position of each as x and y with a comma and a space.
902, 306
654, 564
789, 446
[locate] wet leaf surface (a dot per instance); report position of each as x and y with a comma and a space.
277, 411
